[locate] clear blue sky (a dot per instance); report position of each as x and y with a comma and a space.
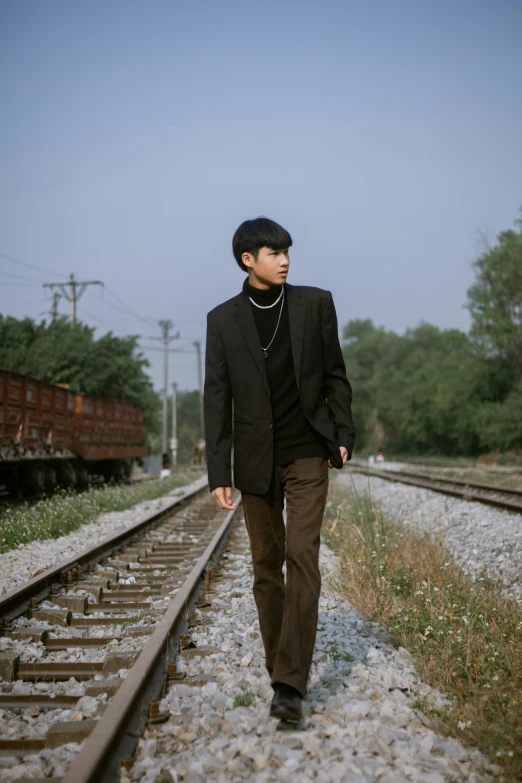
136, 136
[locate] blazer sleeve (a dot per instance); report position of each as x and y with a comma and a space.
337, 387
218, 411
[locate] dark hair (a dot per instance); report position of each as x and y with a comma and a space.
252, 235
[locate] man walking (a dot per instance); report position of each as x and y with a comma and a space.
276, 389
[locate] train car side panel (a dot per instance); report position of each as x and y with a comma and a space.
107, 430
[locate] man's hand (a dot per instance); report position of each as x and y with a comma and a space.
223, 498
344, 456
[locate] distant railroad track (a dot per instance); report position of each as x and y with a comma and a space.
123, 603
501, 497
449, 463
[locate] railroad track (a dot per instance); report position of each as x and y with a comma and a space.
507, 499
507, 470
113, 619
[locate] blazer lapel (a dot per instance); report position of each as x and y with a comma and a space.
247, 325
296, 316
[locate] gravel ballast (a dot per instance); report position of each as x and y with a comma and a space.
361, 723
18, 565
478, 536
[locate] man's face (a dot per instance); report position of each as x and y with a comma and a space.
270, 268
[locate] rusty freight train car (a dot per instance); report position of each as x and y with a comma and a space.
51, 436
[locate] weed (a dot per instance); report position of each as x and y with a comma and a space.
66, 511
124, 622
336, 655
466, 636
244, 699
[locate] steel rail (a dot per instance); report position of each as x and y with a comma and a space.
433, 483
462, 482
507, 470
17, 601
118, 730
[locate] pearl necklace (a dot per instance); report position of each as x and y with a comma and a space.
265, 350
267, 307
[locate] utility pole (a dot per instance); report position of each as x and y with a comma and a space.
54, 309
73, 291
197, 346
166, 338
174, 439
166, 326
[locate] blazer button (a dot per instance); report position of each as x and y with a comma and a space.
271, 426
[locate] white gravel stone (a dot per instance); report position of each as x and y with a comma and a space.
478, 536
360, 723
17, 565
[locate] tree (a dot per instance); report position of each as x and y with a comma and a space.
364, 349
442, 391
495, 299
429, 391
420, 392
188, 424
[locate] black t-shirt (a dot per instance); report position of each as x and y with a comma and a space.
294, 438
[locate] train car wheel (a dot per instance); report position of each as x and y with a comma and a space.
15, 485
33, 477
67, 475
82, 476
50, 477
127, 469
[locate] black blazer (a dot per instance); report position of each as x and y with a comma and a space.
236, 377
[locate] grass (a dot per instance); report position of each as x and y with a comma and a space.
125, 622
244, 699
66, 511
466, 636
337, 655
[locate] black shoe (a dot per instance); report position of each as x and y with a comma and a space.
286, 704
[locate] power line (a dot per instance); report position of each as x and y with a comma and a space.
121, 310
21, 285
96, 318
30, 266
20, 277
126, 308
170, 350
113, 329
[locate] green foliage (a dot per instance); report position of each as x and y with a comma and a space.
442, 391
465, 636
495, 299
244, 699
188, 425
502, 422
58, 352
111, 367
419, 391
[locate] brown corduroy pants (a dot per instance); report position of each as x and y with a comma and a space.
288, 610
